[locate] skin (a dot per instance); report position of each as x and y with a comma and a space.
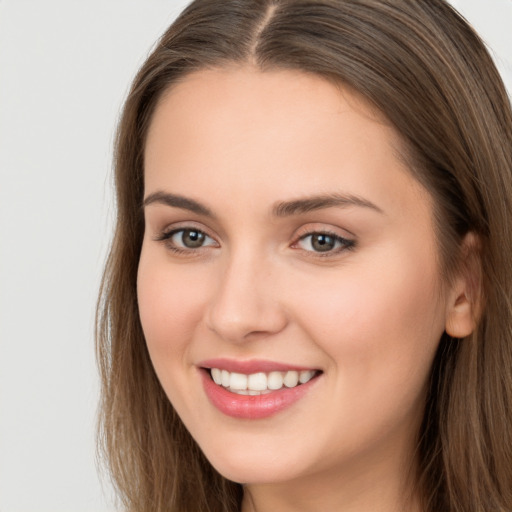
239, 141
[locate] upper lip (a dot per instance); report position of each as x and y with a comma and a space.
251, 366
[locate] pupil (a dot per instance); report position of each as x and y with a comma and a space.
322, 243
192, 239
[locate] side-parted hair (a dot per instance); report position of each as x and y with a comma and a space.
427, 71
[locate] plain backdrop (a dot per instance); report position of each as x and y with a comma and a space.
65, 66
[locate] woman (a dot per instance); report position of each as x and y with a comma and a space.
307, 304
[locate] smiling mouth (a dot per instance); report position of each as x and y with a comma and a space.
260, 383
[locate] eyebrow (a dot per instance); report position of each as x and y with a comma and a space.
280, 209
308, 204
177, 201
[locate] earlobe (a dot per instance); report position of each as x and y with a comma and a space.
460, 320
465, 299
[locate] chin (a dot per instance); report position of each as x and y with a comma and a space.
253, 473
256, 466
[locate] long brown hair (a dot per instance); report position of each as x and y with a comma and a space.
420, 64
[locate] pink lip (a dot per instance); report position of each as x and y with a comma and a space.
252, 407
251, 366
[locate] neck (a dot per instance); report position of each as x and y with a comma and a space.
384, 484
311, 497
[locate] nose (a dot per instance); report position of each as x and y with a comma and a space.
246, 303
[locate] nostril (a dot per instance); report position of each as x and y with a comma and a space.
245, 307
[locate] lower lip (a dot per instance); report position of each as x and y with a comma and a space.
252, 407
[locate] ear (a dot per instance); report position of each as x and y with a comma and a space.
464, 304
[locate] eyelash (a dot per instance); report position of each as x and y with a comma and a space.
345, 244
166, 238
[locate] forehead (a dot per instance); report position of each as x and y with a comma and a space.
230, 93
265, 134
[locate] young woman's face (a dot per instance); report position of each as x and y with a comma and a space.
291, 256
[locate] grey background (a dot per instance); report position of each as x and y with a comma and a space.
65, 66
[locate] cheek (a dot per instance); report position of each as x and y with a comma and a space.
171, 306
380, 326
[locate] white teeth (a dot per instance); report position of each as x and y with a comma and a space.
260, 382
306, 376
217, 376
238, 381
275, 380
291, 379
257, 382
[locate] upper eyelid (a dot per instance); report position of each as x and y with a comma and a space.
345, 245
166, 234
300, 233
328, 233
179, 226
165, 237
317, 227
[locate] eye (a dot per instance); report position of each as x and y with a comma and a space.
324, 243
187, 239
